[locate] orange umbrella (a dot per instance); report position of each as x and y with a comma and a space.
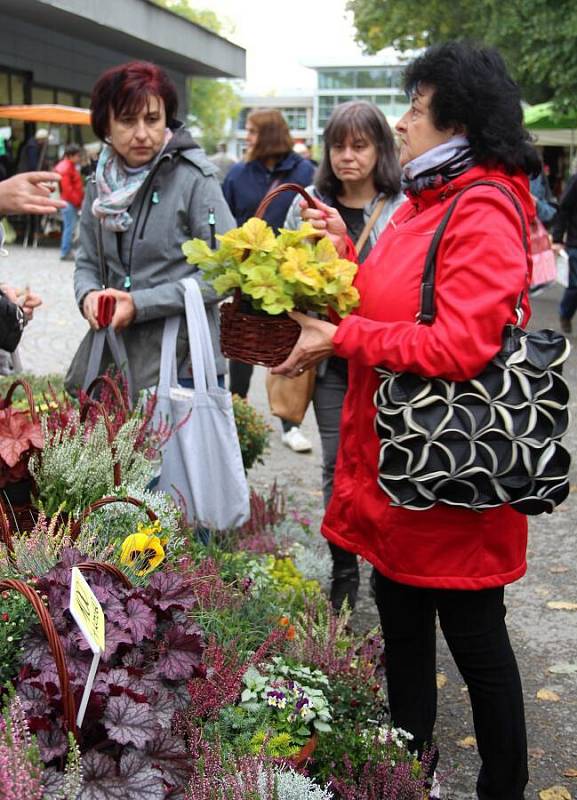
52, 114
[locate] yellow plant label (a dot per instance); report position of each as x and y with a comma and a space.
87, 612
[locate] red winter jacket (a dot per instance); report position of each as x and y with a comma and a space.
481, 270
71, 186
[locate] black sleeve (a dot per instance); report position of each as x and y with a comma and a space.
567, 209
12, 322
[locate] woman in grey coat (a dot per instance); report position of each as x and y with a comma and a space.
360, 176
154, 188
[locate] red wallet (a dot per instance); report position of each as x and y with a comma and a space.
105, 310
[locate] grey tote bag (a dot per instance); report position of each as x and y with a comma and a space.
201, 462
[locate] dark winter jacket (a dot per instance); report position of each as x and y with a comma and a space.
248, 182
564, 228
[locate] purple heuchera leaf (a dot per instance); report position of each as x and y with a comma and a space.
114, 638
52, 784
128, 721
169, 589
181, 652
168, 753
134, 659
141, 779
115, 678
140, 619
35, 651
52, 743
100, 780
138, 779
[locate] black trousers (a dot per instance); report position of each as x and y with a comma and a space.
473, 623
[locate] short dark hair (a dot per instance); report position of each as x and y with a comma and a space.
360, 118
72, 149
473, 89
273, 138
127, 88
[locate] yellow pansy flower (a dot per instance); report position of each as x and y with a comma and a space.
143, 551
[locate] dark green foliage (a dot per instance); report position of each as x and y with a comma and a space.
536, 37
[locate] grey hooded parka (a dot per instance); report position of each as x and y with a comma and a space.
171, 207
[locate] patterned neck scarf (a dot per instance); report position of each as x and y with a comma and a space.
117, 185
438, 165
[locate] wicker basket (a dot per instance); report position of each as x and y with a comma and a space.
56, 648
253, 337
106, 501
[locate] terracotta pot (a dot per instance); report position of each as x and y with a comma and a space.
305, 753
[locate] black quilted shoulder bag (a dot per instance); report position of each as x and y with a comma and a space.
484, 442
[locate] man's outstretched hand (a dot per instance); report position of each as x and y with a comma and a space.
29, 193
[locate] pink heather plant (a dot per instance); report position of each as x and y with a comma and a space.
248, 778
322, 639
19, 760
385, 780
221, 686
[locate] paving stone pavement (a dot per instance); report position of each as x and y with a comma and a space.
543, 638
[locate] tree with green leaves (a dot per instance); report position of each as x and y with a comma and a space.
212, 103
537, 37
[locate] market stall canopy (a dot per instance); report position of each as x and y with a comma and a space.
551, 128
543, 117
51, 114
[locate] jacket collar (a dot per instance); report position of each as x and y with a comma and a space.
518, 183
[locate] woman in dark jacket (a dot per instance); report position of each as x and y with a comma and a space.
359, 175
269, 162
465, 124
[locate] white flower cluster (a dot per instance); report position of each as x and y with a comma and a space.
77, 468
291, 785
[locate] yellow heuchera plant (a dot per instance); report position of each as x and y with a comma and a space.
278, 273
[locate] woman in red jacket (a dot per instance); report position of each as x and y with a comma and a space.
464, 125
72, 192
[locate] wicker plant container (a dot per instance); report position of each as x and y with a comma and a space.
255, 337
10, 584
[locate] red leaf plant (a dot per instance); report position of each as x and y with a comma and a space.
20, 438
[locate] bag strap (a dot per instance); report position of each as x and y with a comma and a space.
428, 310
101, 260
118, 352
200, 344
369, 225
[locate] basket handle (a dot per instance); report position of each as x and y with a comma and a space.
110, 569
6, 402
107, 381
6, 532
55, 645
284, 187
105, 501
86, 406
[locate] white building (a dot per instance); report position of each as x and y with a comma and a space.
377, 79
296, 107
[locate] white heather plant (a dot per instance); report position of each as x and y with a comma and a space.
77, 468
291, 785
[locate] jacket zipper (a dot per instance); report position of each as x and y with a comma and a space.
147, 184
151, 202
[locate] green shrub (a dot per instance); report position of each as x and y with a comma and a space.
253, 432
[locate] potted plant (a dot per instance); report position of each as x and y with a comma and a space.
271, 275
275, 274
20, 439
